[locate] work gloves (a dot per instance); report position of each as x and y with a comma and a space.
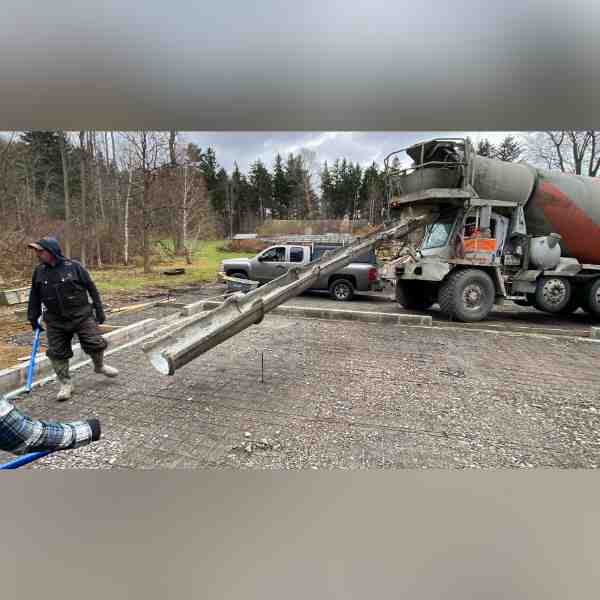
35, 324
100, 316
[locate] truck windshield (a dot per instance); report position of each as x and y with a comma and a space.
438, 233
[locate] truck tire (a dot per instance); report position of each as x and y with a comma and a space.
591, 298
522, 302
467, 295
238, 274
574, 303
413, 296
553, 294
341, 290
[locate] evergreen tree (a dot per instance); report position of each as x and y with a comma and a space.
281, 190
261, 189
486, 148
44, 169
509, 150
326, 191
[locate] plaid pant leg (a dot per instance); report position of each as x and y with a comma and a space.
20, 434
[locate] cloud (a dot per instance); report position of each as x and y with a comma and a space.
362, 147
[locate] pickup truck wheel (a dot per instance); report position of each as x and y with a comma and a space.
591, 298
413, 296
552, 294
342, 290
238, 274
467, 295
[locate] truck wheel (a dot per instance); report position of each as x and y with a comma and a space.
591, 298
522, 302
532, 301
552, 294
342, 290
413, 296
467, 295
238, 274
575, 302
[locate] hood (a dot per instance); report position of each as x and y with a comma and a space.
51, 244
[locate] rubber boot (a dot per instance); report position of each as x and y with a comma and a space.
61, 368
100, 367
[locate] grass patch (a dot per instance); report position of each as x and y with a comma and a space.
206, 258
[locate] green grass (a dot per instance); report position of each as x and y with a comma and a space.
206, 258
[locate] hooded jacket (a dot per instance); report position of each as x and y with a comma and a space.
63, 288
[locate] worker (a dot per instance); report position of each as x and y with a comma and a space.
19, 434
62, 286
471, 231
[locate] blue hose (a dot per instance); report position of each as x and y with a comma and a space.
25, 459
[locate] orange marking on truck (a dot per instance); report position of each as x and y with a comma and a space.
480, 245
579, 233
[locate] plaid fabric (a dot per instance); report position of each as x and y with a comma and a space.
20, 434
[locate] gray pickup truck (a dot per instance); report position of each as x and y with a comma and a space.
362, 275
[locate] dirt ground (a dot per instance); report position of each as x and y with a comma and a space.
9, 327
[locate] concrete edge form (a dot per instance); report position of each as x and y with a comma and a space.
340, 314
15, 377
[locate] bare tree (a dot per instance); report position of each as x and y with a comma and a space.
65, 170
148, 149
570, 151
83, 169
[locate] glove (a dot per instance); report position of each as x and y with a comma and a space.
100, 317
35, 325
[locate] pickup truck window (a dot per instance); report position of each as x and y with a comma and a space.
296, 254
274, 255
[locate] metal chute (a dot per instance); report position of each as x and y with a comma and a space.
183, 341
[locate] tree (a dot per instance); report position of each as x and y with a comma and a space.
83, 172
509, 150
309, 171
261, 185
148, 149
65, 171
193, 153
281, 190
327, 190
45, 169
372, 193
486, 148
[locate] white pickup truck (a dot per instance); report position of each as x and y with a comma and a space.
361, 275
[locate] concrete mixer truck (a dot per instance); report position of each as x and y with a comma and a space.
497, 231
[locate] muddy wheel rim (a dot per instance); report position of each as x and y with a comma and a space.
473, 296
554, 291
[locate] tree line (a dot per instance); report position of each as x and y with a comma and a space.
112, 196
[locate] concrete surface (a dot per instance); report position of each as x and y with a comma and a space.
340, 395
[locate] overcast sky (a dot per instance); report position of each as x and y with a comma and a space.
362, 147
